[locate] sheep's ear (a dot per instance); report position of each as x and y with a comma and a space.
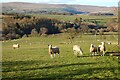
48, 44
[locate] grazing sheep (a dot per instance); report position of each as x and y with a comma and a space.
99, 48
53, 50
102, 48
93, 49
77, 50
108, 42
16, 46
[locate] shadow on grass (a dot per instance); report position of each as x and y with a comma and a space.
113, 53
88, 72
30, 63
88, 56
19, 63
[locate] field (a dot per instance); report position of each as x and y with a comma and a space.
32, 61
72, 17
100, 19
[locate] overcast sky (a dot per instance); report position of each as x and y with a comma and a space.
82, 2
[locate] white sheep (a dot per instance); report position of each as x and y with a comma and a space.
108, 42
93, 49
15, 46
53, 50
77, 50
102, 48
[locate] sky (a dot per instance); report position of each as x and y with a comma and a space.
108, 3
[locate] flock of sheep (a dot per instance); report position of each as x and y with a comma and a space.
76, 49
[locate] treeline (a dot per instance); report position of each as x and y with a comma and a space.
18, 25
38, 12
102, 14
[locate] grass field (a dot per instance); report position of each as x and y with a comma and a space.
99, 20
32, 61
102, 20
72, 17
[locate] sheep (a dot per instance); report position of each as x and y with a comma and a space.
99, 48
15, 46
102, 48
53, 50
108, 42
77, 50
93, 49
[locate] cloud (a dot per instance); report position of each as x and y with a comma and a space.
96, 0
83, 2
62, 1
76, 1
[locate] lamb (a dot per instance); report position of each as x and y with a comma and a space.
77, 50
93, 49
16, 46
53, 50
102, 48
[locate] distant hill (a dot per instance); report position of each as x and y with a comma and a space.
21, 7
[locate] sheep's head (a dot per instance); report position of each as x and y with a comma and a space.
102, 43
91, 45
50, 46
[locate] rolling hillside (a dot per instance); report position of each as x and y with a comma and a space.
20, 7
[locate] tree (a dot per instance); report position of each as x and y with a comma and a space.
112, 25
34, 32
70, 34
101, 33
84, 28
43, 30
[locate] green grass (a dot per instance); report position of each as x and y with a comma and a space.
32, 61
73, 17
101, 20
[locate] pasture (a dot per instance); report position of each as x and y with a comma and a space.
72, 17
101, 20
32, 61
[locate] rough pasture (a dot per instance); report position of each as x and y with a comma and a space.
32, 60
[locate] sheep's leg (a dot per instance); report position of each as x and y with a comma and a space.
92, 53
59, 54
80, 52
95, 53
54, 54
51, 56
77, 53
100, 53
103, 53
74, 52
